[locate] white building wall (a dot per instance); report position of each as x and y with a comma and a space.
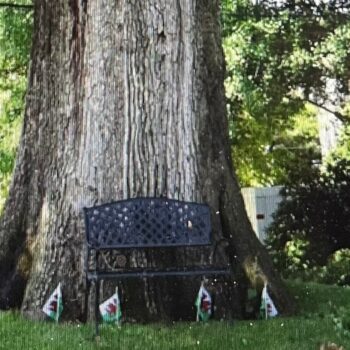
260, 204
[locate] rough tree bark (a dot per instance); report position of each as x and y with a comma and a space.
125, 99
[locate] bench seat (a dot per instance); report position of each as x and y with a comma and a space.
147, 272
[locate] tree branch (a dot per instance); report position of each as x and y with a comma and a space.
338, 115
17, 6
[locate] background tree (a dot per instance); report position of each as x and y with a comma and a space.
121, 102
279, 59
15, 39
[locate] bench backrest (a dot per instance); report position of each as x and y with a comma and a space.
147, 222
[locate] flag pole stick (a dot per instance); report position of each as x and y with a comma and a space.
199, 304
58, 302
116, 293
265, 286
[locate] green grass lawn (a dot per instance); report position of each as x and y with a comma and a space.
313, 325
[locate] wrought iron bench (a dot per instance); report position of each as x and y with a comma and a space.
143, 223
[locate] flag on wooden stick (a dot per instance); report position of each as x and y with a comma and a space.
54, 305
267, 308
203, 304
110, 309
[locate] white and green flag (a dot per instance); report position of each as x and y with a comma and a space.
203, 304
110, 309
54, 306
267, 308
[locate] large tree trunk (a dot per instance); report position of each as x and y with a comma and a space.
125, 99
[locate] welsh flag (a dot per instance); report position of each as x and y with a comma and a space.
267, 308
203, 304
54, 306
110, 309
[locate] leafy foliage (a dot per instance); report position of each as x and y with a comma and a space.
338, 268
341, 322
278, 60
15, 39
313, 222
258, 161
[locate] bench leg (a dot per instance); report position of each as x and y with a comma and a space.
86, 301
97, 302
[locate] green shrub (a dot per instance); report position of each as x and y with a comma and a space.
338, 268
311, 227
341, 321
